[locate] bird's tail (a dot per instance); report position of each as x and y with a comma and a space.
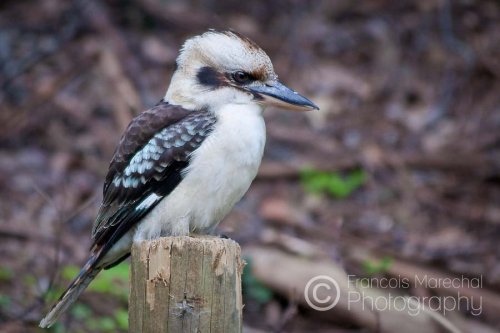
77, 286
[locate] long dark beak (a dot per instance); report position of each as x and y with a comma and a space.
277, 94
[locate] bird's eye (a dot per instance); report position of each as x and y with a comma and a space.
242, 77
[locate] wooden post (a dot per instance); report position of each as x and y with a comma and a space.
185, 284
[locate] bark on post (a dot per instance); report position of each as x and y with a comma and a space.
185, 284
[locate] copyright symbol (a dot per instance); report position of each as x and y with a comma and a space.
321, 300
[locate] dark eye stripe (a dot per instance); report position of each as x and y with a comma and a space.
209, 77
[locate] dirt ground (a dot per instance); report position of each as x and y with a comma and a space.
397, 175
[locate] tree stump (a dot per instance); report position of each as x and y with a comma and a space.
185, 284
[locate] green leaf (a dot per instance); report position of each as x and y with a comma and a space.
29, 280
69, 272
333, 183
5, 301
113, 281
252, 287
57, 328
81, 311
53, 293
102, 324
6, 274
121, 318
372, 267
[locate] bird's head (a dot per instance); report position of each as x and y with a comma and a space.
218, 68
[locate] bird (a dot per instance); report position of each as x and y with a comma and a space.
181, 166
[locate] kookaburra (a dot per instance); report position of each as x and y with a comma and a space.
182, 165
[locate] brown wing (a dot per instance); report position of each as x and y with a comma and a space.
146, 167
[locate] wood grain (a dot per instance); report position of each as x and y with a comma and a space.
186, 284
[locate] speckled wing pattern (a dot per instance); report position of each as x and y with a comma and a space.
147, 166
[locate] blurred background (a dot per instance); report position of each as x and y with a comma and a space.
397, 175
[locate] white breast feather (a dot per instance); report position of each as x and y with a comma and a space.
220, 173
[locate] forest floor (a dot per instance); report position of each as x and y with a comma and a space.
397, 175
